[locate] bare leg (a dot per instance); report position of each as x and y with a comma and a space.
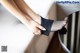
11, 6
28, 11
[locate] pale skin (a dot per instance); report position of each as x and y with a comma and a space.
27, 16
27, 10
26, 20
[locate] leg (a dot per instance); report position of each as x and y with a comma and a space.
11, 6
27, 10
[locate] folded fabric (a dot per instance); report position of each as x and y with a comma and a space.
46, 23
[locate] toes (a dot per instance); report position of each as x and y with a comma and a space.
37, 32
40, 27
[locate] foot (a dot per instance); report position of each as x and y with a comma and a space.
57, 25
52, 25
